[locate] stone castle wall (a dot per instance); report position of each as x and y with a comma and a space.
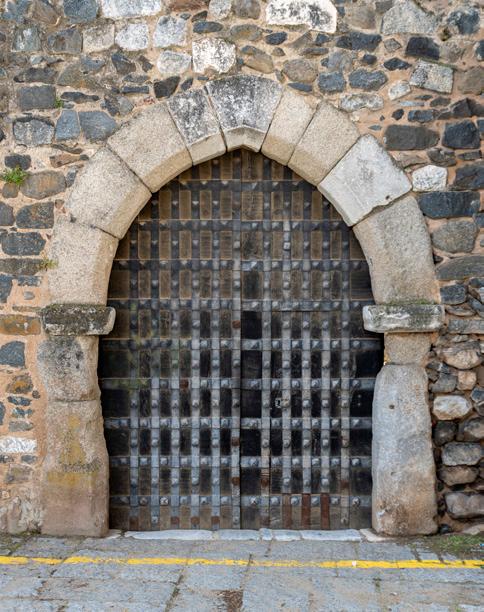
411, 74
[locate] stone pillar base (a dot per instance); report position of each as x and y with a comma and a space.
75, 486
403, 497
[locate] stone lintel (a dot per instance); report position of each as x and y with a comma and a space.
78, 319
403, 318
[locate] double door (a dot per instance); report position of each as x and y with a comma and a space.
237, 382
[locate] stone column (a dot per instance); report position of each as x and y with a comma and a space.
403, 468
75, 473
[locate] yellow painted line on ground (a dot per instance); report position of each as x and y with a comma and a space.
342, 563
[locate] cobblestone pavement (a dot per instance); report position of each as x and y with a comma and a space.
122, 572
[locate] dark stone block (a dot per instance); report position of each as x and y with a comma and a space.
461, 268
331, 81
442, 157
421, 116
409, 137
33, 131
122, 64
13, 354
36, 75
369, 59
25, 243
444, 432
167, 87
15, 160
21, 267
67, 126
43, 184
304, 87
442, 204
368, 80
135, 89
36, 97
480, 50
276, 38
462, 135
78, 97
6, 214
470, 177
465, 19
453, 294
36, 216
80, 11
460, 109
205, 27
65, 41
358, 41
421, 46
2, 412
97, 125
117, 105
398, 114
5, 287
396, 64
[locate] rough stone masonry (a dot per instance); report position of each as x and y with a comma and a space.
409, 73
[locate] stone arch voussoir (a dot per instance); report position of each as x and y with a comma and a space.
358, 177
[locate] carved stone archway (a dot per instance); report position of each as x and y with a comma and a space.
357, 176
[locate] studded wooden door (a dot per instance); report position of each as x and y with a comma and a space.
237, 382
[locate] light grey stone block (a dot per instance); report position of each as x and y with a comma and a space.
68, 367
406, 17
214, 54
170, 31
329, 135
461, 453
119, 9
435, 77
107, 195
157, 159
365, 178
403, 468
465, 505
245, 106
448, 407
317, 14
403, 318
290, 121
172, 62
133, 37
393, 240
98, 38
81, 263
198, 125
